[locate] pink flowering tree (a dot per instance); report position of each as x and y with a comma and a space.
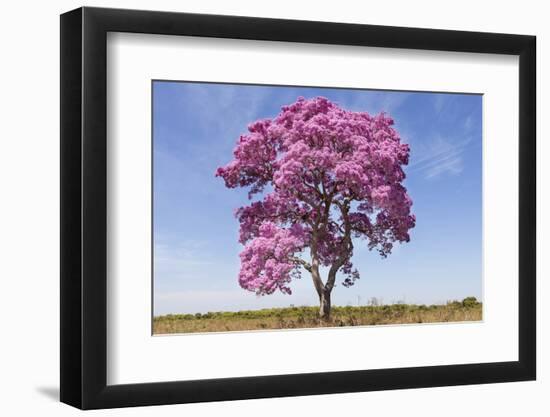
326, 178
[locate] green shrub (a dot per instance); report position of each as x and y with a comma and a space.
469, 302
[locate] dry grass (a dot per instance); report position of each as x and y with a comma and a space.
306, 317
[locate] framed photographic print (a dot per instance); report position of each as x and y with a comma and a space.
256, 208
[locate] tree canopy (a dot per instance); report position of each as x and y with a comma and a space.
319, 177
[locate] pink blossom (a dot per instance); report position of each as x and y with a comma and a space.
324, 177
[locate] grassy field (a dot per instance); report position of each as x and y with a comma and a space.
468, 309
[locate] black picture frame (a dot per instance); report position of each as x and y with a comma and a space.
84, 207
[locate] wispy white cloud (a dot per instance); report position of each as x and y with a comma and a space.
183, 254
376, 101
392, 102
468, 123
452, 165
237, 108
440, 100
441, 156
180, 264
186, 264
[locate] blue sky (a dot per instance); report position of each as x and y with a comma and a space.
195, 127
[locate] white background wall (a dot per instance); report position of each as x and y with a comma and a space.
29, 211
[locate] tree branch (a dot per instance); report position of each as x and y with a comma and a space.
345, 248
315, 275
306, 265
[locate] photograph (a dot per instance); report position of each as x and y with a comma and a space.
298, 207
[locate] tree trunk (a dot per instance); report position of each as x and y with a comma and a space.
324, 308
